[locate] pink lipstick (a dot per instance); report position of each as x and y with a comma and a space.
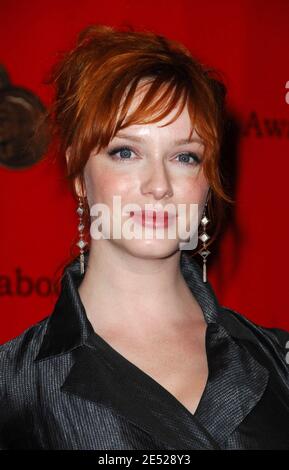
154, 219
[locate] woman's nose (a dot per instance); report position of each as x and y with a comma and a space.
156, 181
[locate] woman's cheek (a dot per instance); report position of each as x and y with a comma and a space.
105, 186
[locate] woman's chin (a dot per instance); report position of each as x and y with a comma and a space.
143, 248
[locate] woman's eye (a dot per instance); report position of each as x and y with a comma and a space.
185, 158
124, 153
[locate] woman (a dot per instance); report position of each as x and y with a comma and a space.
138, 353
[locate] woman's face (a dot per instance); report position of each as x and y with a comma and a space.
145, 164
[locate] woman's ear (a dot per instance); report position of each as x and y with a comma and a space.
79, 190
67, 154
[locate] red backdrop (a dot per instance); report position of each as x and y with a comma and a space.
247, 40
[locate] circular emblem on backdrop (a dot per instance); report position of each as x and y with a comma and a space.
21, 114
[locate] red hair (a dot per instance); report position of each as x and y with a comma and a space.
105, 66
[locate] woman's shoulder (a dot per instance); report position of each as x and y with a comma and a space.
276, 334
23, 347
271, 341
17, 367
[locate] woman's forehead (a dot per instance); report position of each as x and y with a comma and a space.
179, 131
182, 127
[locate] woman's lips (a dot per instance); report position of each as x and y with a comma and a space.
151, 218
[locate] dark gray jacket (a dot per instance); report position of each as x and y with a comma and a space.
62, 386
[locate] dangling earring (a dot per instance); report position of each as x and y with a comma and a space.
204, 237
81, 243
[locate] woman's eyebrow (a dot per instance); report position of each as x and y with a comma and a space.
175, 142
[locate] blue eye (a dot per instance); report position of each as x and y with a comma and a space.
126, 151
194, 156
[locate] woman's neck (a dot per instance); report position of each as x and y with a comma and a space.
122, 290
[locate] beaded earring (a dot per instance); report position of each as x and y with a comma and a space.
81, 243
204, 237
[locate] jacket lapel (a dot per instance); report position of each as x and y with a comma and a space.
230, 395
237, 383
68, 326
99, 374
95, 379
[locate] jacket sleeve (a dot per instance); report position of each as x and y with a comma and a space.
3, 395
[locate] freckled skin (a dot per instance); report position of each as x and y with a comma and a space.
152, 172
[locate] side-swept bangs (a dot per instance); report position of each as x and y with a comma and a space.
95, 84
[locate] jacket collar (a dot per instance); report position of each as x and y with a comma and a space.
68, 326
100, 375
